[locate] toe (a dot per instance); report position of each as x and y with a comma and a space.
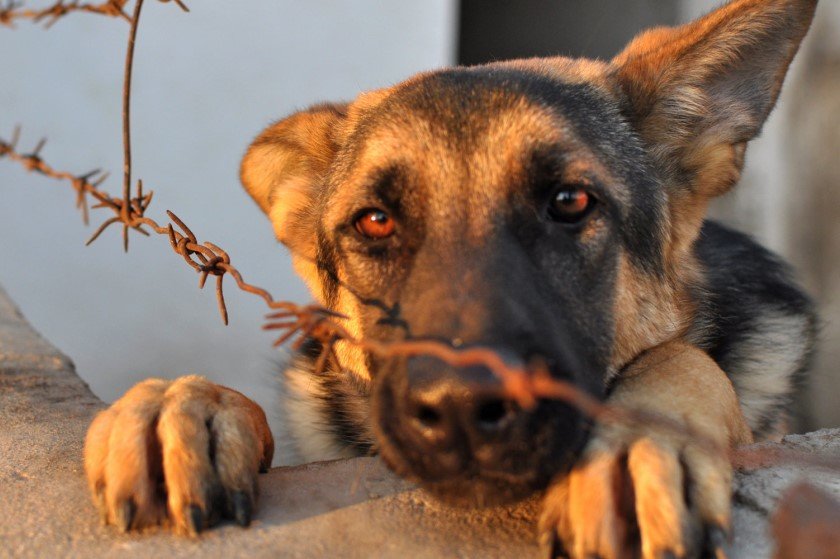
551, 547
593, 507
215, 441
131, 471
661, 512
583, 516
191, 482
554, 522
710, 494
710, 485
96, 454
239, 453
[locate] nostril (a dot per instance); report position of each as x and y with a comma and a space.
494, 413
428, 416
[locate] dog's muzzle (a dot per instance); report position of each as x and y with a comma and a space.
457, 432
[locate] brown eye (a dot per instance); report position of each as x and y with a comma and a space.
375, 224
570, 205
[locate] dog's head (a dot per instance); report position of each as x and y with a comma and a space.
544, 209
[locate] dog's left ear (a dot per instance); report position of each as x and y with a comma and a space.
698, 93
285, 165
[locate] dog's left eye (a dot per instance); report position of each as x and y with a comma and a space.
374, 224
571, 204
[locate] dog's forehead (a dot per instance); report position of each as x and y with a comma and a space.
481, 127
469, 108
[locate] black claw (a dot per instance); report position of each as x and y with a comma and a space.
217, 507
242, 508
551, 547
124, 515
195, 519
716, 538
263, 469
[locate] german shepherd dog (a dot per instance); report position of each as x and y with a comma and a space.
547, 209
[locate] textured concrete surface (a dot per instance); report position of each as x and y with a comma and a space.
351, 508
757, 492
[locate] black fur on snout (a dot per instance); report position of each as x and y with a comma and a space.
456, 432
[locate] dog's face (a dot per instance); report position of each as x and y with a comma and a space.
542, 209
479, 204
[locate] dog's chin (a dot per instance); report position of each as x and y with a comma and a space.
469, 489
481, 491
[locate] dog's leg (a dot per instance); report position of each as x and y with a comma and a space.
647, 488
182, 453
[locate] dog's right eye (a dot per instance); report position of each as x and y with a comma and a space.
374, 224
571, 205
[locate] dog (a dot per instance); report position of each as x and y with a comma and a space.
546, 209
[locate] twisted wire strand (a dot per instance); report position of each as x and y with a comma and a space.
15, 10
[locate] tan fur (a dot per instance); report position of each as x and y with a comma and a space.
649, 311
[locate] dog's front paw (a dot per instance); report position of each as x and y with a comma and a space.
655, 497
182, 453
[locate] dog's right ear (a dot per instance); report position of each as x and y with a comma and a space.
698, 93
285, 166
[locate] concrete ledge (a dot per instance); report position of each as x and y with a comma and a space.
348, 508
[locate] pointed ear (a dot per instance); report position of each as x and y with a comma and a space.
699, 92
285, 165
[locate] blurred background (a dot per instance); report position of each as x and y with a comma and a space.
208, 81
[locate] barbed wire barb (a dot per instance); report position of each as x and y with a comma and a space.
14, 10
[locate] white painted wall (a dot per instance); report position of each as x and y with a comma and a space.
205, 84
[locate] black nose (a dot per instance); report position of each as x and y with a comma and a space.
439, 413
457, 410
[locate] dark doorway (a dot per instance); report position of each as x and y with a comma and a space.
504, 29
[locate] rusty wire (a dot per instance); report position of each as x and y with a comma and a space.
13, 10
524, 384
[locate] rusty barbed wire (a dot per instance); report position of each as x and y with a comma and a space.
12, 10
